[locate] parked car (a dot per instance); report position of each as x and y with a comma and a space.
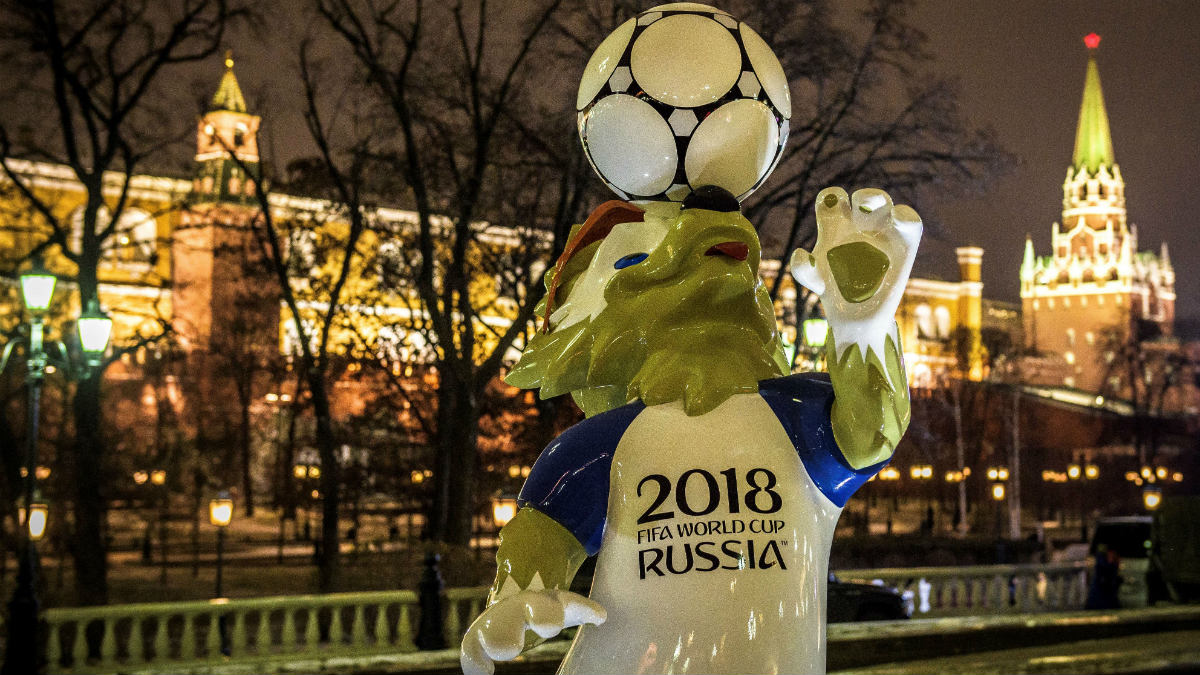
1129, 537
1175, 551
865, 602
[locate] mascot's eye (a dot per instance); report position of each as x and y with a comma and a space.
630, 260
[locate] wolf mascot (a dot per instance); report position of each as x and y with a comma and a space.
706, 479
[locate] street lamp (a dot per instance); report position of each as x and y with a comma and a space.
157, 479
890, 474
37, 291
999, 490
95, 329
220, 512
1083, 474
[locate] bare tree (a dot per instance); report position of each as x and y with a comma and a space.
494, 194
1144, 368
97, 68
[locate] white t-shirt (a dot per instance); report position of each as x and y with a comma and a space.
713, 531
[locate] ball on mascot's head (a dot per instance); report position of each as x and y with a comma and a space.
680, 96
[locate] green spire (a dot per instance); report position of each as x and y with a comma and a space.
1028, 263
229, 94
1093, 141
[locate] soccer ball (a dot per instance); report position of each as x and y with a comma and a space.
680, 96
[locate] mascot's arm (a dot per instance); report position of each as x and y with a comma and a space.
535, 553
871, 405
859, 268
536, 561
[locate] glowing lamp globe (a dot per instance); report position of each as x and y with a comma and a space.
220, 510
37, 287
680, 96
95, 328
1152, 498
503, 510
39, 515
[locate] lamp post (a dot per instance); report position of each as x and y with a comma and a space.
1082, 474
922, 473
157, 480
37, 290
307, 472
999, 477
890, 474
220, 512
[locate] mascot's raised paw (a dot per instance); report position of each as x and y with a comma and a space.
859, 268
499, 633
860, 265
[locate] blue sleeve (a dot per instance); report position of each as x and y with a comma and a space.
569, 481
803, 403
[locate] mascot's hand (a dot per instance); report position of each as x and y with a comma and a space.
499, 633
860, 265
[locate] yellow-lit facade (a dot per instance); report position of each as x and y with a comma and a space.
178, 258
182, 247
939, 321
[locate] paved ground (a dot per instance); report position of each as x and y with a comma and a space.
1171, 652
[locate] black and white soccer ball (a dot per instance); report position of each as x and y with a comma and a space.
680, 96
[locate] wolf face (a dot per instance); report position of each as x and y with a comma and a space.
666, 308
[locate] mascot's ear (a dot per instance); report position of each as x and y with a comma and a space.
551, 272
597, 226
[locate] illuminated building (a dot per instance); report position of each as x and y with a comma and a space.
1096, 280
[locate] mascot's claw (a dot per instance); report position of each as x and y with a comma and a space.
860, 264
499, 633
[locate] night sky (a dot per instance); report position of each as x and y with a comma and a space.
1021, 67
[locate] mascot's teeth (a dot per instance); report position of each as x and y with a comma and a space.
733, 249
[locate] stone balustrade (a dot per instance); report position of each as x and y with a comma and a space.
183, 637
314, 632
984, 589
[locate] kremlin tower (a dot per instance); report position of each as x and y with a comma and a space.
1096, 280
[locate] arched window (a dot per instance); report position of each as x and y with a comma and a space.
941, 317
134, 241
302, 252
926, 330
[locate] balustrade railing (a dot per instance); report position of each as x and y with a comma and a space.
182, 636
984, 589
346, 628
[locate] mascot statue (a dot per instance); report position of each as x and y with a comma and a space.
705, 477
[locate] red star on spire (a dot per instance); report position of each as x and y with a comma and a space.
1091, 40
